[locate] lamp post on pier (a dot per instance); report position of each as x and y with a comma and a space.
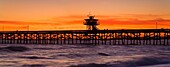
3, 28
157, 20
156, 24
27, 27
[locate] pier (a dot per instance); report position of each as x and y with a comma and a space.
91, 36
88, 37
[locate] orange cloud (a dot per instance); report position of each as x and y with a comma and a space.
25, 23
134, 22
76, 22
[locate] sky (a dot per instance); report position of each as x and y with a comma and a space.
70, 14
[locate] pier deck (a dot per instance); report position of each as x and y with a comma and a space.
88, 37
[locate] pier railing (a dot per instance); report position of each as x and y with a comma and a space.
86, 37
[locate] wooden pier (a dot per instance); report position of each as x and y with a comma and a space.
88, 37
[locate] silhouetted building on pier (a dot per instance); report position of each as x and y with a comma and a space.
91, 23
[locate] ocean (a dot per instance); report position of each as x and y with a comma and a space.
44, 55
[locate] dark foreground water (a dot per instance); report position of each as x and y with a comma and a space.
84, 56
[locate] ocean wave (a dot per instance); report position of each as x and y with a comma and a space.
34, 65
90, 65
144, 61
34, 57
14, 49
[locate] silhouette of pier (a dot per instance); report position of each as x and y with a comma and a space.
91, 36
111, 37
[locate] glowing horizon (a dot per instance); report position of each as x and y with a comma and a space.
70, 14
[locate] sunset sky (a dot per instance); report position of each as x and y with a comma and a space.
70, 14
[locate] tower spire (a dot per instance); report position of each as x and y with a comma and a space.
89, 14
